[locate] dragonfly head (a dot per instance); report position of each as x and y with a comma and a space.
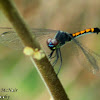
52, 43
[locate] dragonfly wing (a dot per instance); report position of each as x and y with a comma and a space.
36, 31
86, 56
11, 40
39, 32
8, 37
93, 59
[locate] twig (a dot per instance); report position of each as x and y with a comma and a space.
43, 66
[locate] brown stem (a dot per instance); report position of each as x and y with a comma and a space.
43, 66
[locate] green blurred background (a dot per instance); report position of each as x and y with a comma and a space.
17, 71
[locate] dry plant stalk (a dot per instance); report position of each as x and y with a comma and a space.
43, 66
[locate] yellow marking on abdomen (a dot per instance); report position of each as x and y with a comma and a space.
92, 29
78, 33
88, 30
73, 34
82, 32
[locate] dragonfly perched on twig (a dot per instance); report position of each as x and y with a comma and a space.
8, 36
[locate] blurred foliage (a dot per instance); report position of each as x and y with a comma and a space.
17, 71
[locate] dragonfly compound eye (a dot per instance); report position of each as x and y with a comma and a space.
48, 41
54, 41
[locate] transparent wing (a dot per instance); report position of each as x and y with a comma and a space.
8, 37
86, 57
36, 31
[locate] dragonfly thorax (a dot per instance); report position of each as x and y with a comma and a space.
52, 43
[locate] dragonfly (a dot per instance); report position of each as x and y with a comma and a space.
59, 39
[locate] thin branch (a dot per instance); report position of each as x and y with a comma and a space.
43, 66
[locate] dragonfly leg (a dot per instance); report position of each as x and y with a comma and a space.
57, 57
60, 61
51, 54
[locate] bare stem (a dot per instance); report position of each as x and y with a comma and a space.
43, 66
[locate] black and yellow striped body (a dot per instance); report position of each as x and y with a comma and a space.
63, 37
86, 31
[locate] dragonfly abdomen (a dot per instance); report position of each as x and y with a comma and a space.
86, 31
